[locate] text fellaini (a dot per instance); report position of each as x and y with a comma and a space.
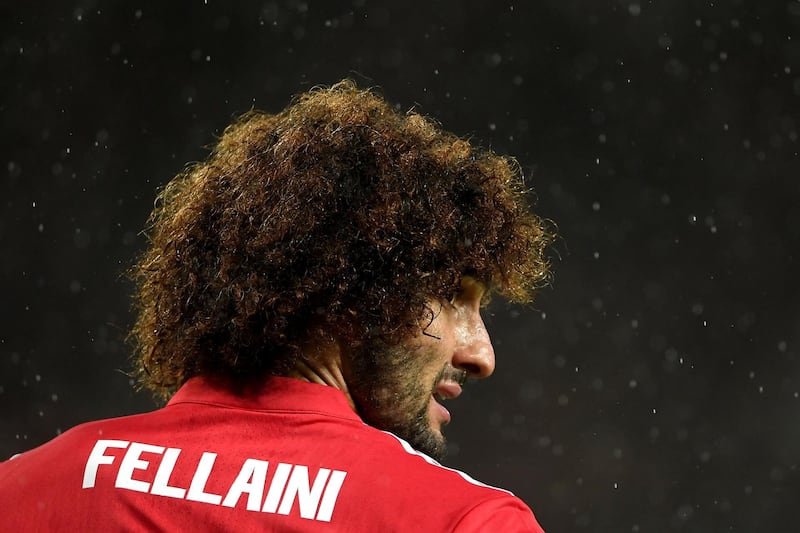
288, 484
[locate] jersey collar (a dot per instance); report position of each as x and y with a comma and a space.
274, 394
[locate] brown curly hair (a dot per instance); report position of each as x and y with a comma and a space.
338, 212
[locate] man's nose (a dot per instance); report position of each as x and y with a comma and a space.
475, 353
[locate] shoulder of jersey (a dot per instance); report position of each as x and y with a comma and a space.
430, 468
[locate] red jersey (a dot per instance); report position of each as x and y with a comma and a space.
291, 457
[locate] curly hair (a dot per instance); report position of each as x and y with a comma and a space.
338, 213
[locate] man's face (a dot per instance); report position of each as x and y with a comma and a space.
401, 388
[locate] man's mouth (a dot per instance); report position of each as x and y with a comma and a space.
445, 390
447, 386
442, 415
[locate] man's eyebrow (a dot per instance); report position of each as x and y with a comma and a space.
483, 283
476, 284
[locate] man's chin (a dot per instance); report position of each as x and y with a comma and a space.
417, 431
431, 442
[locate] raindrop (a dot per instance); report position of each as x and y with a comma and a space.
685, 512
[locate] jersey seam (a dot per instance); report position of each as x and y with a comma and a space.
277, 411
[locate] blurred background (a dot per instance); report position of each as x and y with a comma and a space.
655, 386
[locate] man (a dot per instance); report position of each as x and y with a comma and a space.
309, 300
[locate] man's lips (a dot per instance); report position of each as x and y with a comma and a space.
445, 390
444, 414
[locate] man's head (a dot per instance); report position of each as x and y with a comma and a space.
336, 215
401, 388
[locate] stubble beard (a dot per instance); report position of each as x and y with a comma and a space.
389, 395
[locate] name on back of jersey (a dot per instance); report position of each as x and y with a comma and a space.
281, 488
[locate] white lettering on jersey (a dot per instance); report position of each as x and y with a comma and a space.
132, 462
330, 495
276, 488
97, 457
290, 483
161, 485
197, 488
298, 487
251, 479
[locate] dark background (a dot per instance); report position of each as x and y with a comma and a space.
653, 387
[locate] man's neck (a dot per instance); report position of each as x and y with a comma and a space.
321, 363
